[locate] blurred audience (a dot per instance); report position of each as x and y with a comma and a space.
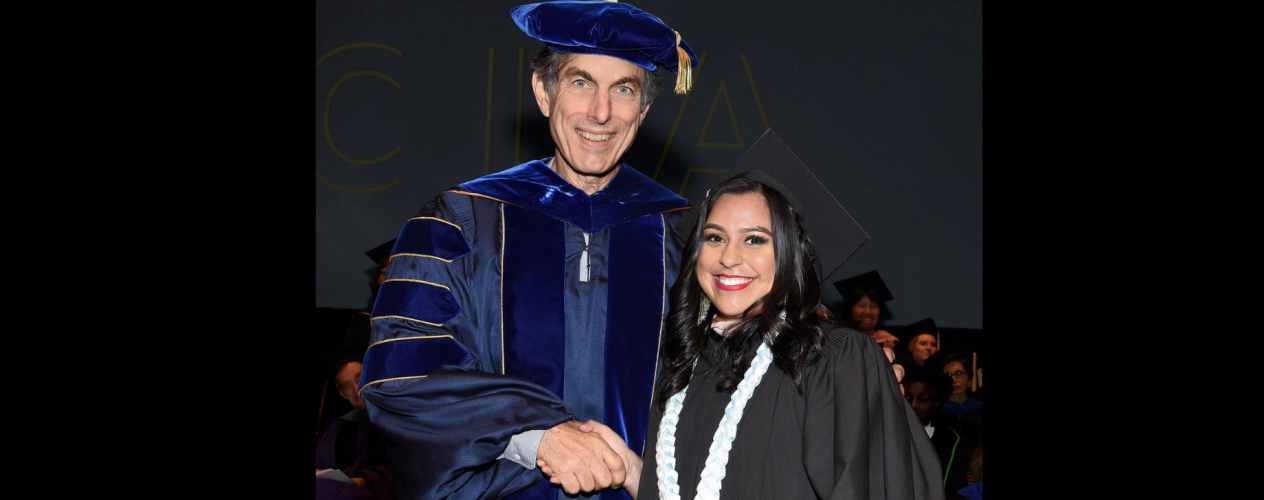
351, 460
925, 391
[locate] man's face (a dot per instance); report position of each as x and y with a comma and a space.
594, 112
922, 398
348, 381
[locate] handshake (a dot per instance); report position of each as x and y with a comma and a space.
588, 457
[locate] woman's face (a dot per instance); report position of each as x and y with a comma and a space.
960, 379
736, 261
865, 312
923, 346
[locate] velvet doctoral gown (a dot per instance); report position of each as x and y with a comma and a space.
849, 434
517, 302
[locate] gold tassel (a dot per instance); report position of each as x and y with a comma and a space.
703, 307
684, 71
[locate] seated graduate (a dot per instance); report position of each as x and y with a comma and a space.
925, 391
761, 394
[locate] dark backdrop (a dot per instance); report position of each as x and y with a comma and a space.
882, 99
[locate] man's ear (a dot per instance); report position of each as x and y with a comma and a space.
542, 96
644, 112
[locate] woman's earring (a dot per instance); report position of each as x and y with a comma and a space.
703, 306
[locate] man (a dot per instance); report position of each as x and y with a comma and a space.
521, 303
925, 390
351, 447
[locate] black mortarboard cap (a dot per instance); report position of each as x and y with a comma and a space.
870, 279
910, 331
381, 252
941, 383
835, 235
609, 29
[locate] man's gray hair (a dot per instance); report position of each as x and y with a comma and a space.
546, 63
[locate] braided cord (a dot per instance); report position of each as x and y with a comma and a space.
718, 455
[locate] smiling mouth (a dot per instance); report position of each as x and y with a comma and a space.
732, 283
595, 137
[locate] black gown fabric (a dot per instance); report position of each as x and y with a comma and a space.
848, 435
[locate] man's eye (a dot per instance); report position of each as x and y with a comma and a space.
624, 90
581, 84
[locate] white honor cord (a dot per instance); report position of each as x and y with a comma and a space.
718, 455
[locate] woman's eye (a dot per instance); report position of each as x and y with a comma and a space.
756, 240
713, 237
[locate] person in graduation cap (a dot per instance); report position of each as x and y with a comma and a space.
762, 393
922, 343
521, 303
864, 298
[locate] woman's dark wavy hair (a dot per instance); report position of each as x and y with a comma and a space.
796, 289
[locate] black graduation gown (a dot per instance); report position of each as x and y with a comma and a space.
850, 434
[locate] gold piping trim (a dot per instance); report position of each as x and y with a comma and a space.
418, 281
440, 220
662, 312
476, 195
420, 255
387, 380
407, 318
409, 338
502, 290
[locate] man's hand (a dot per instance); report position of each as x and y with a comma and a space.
616, 443
578, 460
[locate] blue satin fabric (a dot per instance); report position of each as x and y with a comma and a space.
535, 321
536, 187
611, 29
409, 357
420, 301
446, 430
636, 305
431, 237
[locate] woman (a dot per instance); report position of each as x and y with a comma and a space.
959, 400
802, 407
922, 343
865, 297
922, 347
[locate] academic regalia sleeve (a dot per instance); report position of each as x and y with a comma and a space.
435, 328
853, 397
